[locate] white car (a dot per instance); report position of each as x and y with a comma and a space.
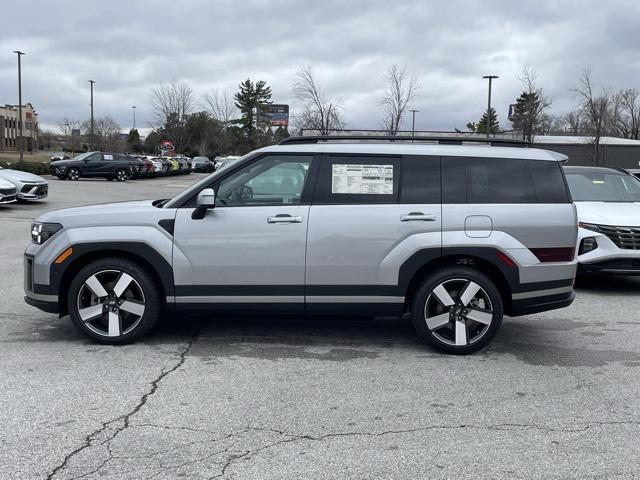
7, 192
28, 186
608, 204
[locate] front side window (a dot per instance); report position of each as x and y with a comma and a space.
272, 180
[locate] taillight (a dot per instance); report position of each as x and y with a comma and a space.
560, 254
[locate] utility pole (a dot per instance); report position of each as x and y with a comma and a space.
488, 126
91, 141
20, 123
133, 107
413, 122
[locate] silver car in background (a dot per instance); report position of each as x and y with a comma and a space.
28, 186
7, 192
608, 204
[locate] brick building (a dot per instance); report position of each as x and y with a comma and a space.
10, 128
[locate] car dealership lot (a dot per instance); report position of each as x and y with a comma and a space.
555, 395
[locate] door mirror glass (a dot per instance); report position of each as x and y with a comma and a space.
206, 198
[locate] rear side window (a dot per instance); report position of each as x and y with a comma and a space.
420, 180
502, 180
487, 180
548, 182
358, 179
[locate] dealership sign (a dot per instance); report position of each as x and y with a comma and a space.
274, 115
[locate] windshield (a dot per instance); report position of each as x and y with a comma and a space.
593, 186
82, 156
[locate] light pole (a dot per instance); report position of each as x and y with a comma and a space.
133, 107
488, 126
20, 138
91, 131
413, 122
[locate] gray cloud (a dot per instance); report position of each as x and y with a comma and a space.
129, 47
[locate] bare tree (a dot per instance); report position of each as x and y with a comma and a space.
67, 125
401, 89
594, 106
220, 105
630, 105
172, 103
318, 113
106, 132
530, 116
573, 122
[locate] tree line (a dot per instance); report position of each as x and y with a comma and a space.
222, 123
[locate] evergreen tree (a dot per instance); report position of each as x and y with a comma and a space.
526, 116
280, 134
133, 141
248, 97
491, 120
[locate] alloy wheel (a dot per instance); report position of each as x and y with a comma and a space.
121, 175
73, 174
458, 312
111, 303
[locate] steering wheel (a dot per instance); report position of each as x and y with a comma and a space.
242, 194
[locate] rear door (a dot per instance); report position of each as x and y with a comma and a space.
362, 228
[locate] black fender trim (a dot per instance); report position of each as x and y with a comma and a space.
142, 250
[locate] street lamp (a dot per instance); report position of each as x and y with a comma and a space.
413, 122
488, 126
20, 138
91, 132
133, 107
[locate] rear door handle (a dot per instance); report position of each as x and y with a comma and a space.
418, 217
284, 218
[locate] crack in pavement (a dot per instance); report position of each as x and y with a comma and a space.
125, 418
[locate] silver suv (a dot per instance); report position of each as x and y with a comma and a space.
456, 235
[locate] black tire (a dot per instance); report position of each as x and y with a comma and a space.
73, 174
457, 327
121, 175
131, 327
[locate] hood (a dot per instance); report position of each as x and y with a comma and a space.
20, 176
6, 184
138, 213
609, 213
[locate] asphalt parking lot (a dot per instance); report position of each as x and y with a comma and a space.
557, 395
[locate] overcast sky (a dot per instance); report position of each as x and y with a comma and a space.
128, 47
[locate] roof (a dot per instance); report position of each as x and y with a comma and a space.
581, 140
482, 151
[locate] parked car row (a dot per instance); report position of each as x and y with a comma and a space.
121, 167
18, 186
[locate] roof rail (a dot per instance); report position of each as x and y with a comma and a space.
457, 140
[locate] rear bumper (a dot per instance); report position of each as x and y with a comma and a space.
528, 306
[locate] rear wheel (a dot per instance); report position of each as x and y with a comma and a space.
457, 310
113, 301
73, 174
121, 175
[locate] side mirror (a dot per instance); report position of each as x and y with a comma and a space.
206, 200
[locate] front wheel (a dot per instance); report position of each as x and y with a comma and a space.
457, 310
113, 301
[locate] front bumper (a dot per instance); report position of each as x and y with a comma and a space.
33, 191
45, 306
608, 257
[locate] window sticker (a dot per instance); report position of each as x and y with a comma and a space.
362, 179
108, 157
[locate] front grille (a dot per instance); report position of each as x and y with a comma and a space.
7, 191
627, 238
8, 198
42, 190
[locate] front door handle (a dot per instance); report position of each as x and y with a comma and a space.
284, 218
418, 216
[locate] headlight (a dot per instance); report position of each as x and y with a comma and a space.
41, 232
589, 226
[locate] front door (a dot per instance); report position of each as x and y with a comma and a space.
248, 251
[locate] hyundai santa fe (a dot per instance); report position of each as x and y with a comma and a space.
456, 236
